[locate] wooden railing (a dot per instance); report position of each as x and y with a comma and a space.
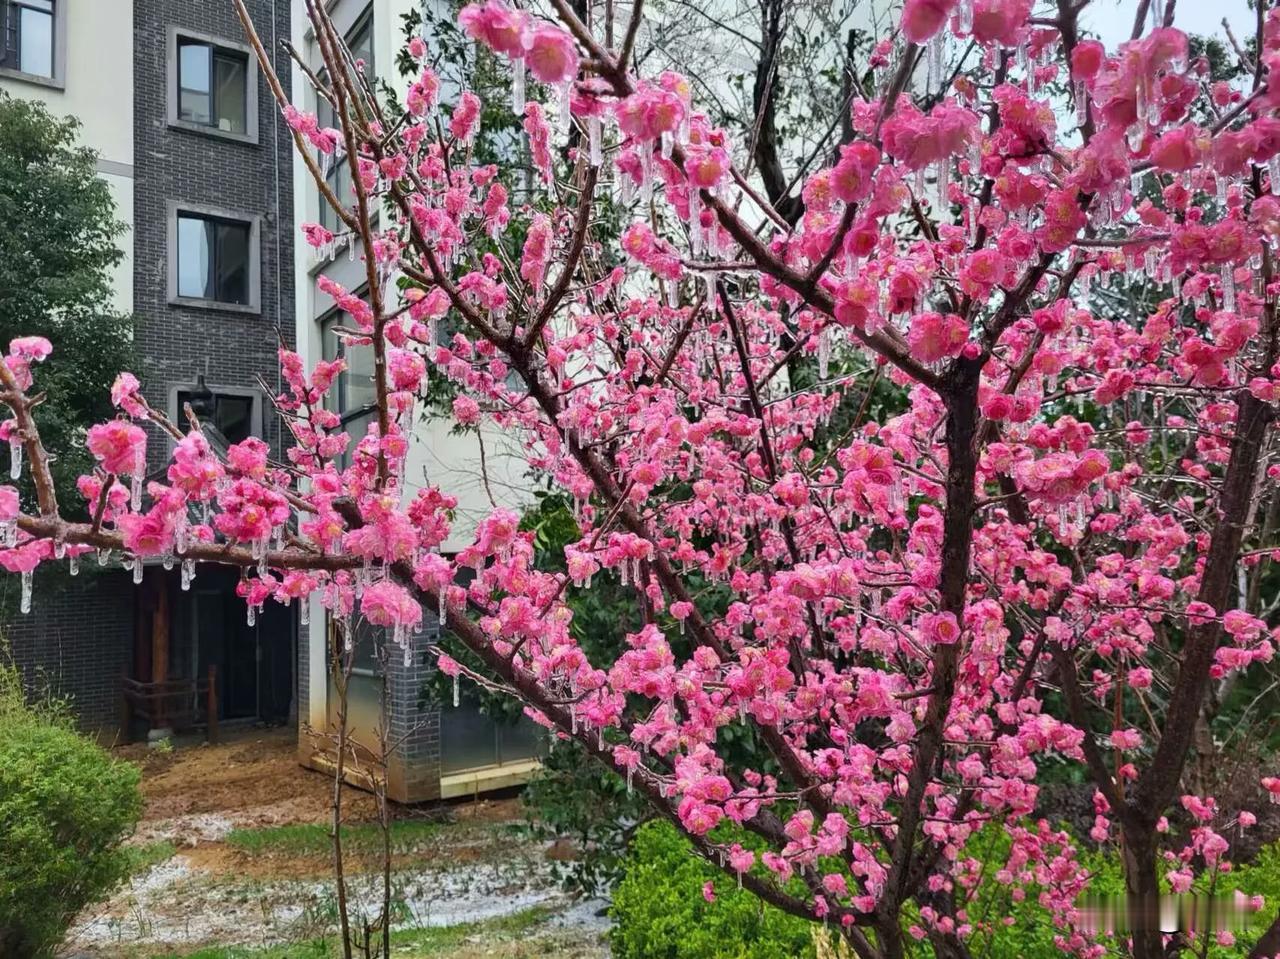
173, 702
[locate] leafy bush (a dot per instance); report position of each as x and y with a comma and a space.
1031, 934
1006, 927
659, 911
65, 807
573, 796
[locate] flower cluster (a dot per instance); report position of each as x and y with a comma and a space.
1031, 553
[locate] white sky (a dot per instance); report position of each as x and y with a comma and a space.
1112, 20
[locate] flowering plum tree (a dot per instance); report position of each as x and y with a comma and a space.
908, 617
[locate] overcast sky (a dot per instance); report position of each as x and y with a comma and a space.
1112, 20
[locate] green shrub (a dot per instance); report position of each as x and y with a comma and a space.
65, 807
1031, 934
659, 911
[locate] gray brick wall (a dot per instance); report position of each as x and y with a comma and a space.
174, 164
79, 636
415, 765
76, 641
301, 685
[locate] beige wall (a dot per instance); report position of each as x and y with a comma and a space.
94, 83
450, 462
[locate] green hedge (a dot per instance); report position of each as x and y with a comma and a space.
659, 911
65, 807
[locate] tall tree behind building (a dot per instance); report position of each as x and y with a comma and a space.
57, 251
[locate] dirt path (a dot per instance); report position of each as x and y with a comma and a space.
198, 793
474, 865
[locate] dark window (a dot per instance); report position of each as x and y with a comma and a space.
469, 739
213, 258
371, 645
368, 640
360, 43
231, 416
339, 179
352, 396
211, 86
28, 36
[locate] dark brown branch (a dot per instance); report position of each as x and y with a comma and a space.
1159, 783
572, 257
961, 397
629, 39
226, 554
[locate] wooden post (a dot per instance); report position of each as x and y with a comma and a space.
160, 641
211, 704
126, 714
142, 632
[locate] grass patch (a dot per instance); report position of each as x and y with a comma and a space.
314, 949
313, 839
442, 940
142, 858
426, 943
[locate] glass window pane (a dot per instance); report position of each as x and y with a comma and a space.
195, 107
324, 110
361, 44
194, 257
328, 219
360, 389
193, 66
356, 428
233, 415
229, 92
332, 349
523, 740
468, 738
195, 101
231, 260
35, 32
353, 389
368, 640
339, 180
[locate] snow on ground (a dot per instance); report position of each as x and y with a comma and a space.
180, 903
472, 868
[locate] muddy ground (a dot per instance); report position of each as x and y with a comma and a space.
476, 864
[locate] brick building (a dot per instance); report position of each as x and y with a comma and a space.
192, 145
202, 170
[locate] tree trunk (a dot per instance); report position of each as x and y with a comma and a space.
764, 138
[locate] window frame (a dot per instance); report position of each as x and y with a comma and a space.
326, 216
254, 278
58, 45
178, 37
254, 396
341, 387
